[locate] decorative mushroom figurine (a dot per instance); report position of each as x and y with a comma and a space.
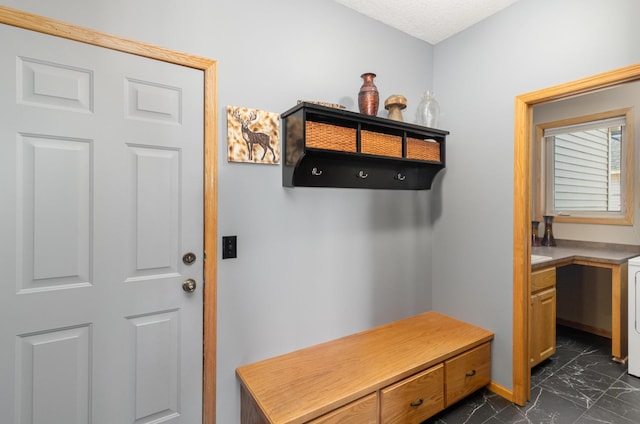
394, 104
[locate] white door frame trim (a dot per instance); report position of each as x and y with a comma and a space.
61, 29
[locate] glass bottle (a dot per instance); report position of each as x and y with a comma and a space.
547, 239
428, 112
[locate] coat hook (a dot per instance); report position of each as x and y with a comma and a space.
362, 175
315, 171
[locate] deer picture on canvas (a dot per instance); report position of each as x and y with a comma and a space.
255, 132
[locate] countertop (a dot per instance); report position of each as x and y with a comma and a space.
567, 251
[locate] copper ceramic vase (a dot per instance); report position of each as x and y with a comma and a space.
368, 97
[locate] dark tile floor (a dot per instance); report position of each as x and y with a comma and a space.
579, 384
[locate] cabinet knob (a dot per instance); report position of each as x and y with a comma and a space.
401, 177
316, 171
471, 374
362, 175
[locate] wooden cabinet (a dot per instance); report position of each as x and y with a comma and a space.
328, 147
402, 372
542, 342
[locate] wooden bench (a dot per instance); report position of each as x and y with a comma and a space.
402, 372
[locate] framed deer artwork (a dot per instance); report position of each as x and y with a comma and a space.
253, 135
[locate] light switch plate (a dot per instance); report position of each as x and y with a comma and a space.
229, 247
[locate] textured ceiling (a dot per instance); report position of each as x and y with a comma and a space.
428, 20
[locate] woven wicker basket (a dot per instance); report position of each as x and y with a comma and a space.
330, 137
375, 143
423, 149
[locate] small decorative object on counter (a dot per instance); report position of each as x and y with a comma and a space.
535, 239
394, 104
327, 104
547, 239
368, 97
428, 112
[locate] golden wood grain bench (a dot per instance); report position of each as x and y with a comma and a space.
402, 372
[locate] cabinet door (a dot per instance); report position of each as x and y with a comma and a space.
543, 325
361, 411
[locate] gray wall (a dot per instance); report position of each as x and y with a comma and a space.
314, 264
529, 46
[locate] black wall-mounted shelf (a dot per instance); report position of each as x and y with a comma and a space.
329, 147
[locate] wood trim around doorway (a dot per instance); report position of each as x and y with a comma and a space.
522, 208
61, 29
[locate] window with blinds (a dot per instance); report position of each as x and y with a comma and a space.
585, 166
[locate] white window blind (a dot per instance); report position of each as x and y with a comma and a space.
585, 175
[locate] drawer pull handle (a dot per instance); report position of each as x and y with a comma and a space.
315, 171
418, 403
362, 175
471, 374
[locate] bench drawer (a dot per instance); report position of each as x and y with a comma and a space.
467, 373
413, 399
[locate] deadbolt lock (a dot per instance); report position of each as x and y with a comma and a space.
189, 258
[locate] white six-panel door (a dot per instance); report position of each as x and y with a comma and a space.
101, 174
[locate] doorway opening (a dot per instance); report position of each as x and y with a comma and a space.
522, 208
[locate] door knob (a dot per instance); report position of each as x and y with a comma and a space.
189, 285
